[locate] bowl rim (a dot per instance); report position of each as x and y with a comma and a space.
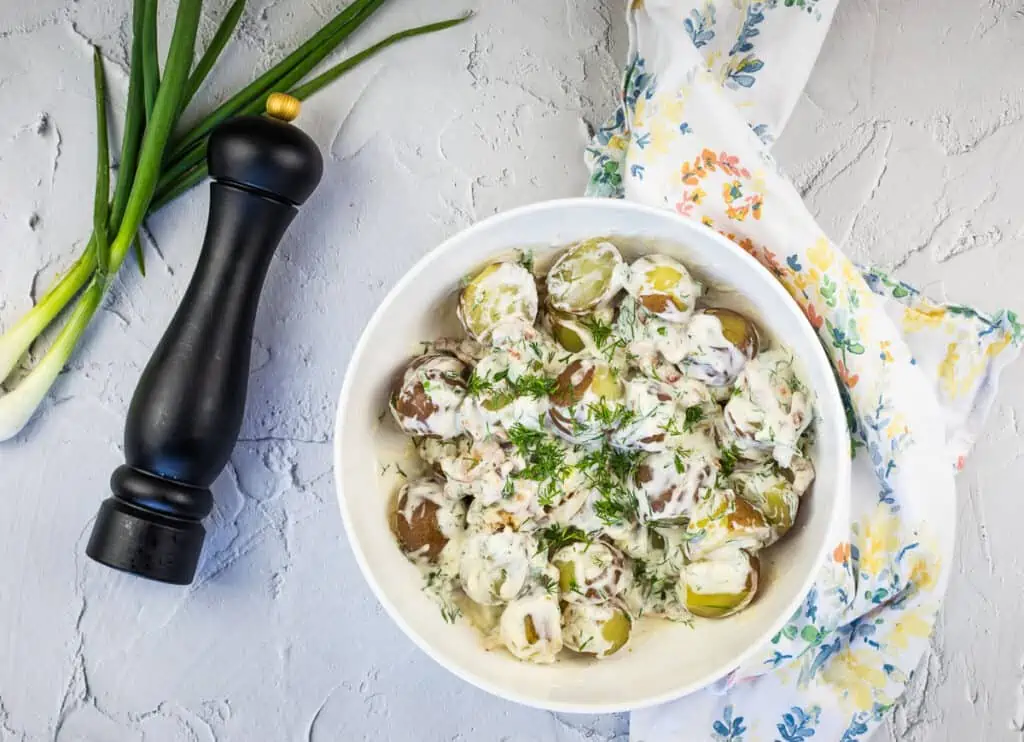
840, 504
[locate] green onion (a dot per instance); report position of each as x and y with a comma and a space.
150, 60
102, 196
217, 43
149, 176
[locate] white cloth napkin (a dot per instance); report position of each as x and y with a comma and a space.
707, 88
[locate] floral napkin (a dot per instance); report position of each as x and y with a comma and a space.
708, 87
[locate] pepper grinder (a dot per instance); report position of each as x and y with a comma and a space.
186, 413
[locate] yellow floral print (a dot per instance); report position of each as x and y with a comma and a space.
909, 625
821, 254
879, 540
857, 677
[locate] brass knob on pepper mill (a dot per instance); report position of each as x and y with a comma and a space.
187, 410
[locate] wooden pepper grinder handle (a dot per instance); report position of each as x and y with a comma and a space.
187, 410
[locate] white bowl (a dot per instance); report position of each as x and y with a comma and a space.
664, 660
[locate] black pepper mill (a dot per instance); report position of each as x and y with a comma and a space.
187, 410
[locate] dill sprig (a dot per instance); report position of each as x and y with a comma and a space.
727, 459
610, 471
545, 461
557, 536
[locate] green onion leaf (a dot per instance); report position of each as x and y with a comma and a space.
307, 89
102, 194
213, 52
150, 57
307, 56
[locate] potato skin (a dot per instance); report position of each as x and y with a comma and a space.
419, 532
414, 393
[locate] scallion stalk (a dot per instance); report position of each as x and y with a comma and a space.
212, 54
101, 199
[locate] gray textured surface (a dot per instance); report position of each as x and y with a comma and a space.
908, 147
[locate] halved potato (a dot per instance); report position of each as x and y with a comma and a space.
722, 519
721, 586
587, 400
568, 331
597, 629
590, 572
531, 627
770, 408
499, 293
719, 342
585, 276
425, 399
495, 567
651, 407
768, 490
664, 287
669, 484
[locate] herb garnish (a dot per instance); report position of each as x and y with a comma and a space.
728, 459
545, 461
528, 385
610, 471
556, 536
694, 414
599, 331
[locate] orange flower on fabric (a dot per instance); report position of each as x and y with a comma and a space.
848, 378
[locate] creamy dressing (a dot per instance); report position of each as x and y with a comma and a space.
770, 409
531, 628
429, 397
495, 567
590, 572
587, 628
578, 490
709, 356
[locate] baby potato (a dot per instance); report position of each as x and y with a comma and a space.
722, 519
587, 400
494, 567
597, 629
664, 287
651, 407
425, 399
425, 520
531, 628
770, 408
721, 586
767, 489
501, 292
719, 342
585, 276
669, 483
591, 572
568, 331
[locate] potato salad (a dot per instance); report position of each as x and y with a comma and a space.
601, 447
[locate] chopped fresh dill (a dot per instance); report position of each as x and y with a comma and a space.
534, 386
584, 644
599, 331
556, 536
545, 461
610, 472
478, 384
694, 415
528, 385
609, 416
550, 585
